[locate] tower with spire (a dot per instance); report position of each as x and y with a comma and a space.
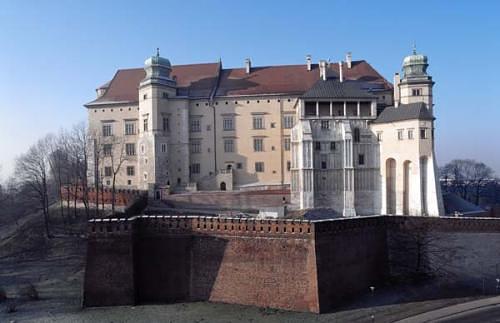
415, 84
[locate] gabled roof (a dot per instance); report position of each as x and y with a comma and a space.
333, 88
194, 80
200, 80
405, 112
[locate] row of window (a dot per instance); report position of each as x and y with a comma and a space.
257, 123
195, 125
107, 149
130, 127
410, 135
248, 102
108, 171
229, 145
259, 167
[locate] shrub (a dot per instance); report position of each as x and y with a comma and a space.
29, 291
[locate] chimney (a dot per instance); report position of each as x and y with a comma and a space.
248, 65
322, 69
308, 62
341, 72
348, 59
397, 80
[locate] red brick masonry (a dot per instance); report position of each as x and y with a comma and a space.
288, 264
123, 197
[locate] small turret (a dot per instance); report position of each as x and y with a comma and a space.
158, 70
415, 65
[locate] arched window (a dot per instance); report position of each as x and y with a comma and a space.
356, 135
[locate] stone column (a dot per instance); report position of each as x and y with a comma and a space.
348, 191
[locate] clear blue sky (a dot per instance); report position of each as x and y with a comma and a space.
53, 54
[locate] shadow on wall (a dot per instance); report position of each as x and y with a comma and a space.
166, 270
136, 262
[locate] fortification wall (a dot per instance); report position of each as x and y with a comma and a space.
123, 197
458, 251
287, 264
266, 263
351, 255
109, 273
235, 199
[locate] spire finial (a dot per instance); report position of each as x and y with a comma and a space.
157, 52
414, 48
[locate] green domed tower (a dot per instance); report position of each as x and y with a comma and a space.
415, 85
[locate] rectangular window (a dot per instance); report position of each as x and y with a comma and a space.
129, 128
361, 159
258, 144
325, 124
379, 136
130, 149
288, 121
310, 109
400, 134
196, 147
228, 145
324, 109
163, 148
145, 124
166, 124
195, 168
239, 166
259, 167
416, 92
332, 145
108, 171
410, 133
258, 122
286, 144
130, 171
107, 130
288, 165
228, 124
423, 133
195, 125
317, 145
107, 149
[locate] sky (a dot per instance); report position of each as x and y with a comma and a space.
53, 54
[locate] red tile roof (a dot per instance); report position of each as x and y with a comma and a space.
199, 80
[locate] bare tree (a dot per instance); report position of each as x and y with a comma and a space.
79, 139
33, 171
58, 161
118, 156
466, 177
417, 251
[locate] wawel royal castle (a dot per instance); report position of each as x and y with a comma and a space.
338, 134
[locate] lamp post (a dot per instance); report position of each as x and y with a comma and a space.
372, 290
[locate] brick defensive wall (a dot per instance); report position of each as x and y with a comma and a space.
298, 265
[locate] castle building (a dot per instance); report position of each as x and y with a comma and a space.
338, 134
